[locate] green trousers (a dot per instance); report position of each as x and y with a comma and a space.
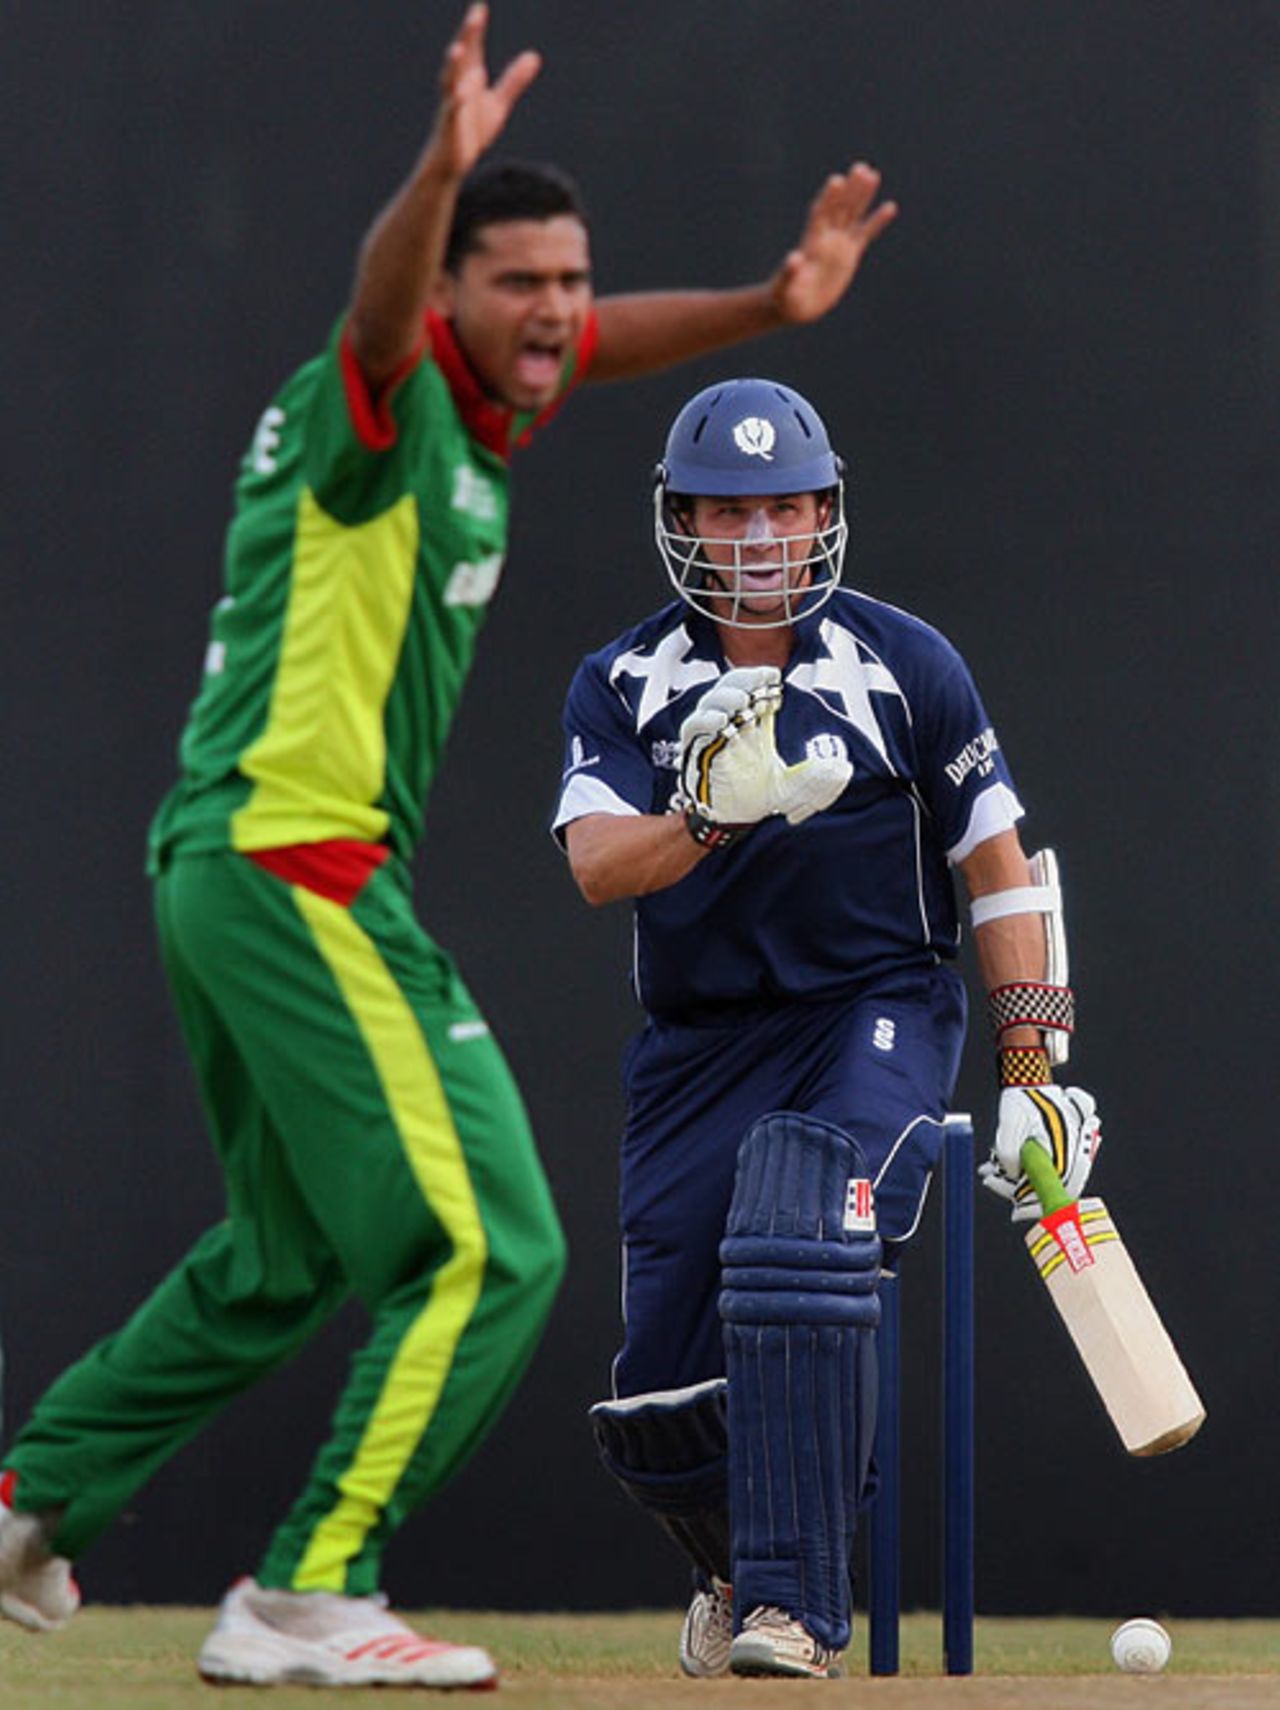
373, 1142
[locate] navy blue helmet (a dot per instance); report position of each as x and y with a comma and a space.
738, 440
749, 436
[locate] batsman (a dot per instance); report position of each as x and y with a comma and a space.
783, 775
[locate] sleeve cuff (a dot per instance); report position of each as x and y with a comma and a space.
994, 811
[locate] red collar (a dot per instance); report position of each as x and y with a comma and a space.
497, 427
485, 420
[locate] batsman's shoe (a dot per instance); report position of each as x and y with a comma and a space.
772, 1642
318, 1638
36, 1587
708, 1631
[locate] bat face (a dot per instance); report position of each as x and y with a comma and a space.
1100, 1298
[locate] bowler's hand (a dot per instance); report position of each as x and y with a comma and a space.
842, 225
473, 111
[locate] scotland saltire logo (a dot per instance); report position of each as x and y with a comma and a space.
755, 436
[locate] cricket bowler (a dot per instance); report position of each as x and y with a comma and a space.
373, 1141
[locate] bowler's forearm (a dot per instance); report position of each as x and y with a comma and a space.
399, 262
645, 331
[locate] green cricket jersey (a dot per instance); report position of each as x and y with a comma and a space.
367, 540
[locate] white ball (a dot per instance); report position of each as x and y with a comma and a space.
1141, 1647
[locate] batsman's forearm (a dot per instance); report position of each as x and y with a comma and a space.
1011, 947
1009, 950
646, 331
615, 856
399, 261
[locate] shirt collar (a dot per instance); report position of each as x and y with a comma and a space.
484, 419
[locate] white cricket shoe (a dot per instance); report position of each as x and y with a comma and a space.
708, 1632
36, 1587
318, 1638
773, 1642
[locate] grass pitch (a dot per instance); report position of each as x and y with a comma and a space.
142, 1659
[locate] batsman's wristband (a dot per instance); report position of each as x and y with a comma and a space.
1031, 1003
1024, 1066
706, 831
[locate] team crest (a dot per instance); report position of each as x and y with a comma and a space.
826, 746
755, 436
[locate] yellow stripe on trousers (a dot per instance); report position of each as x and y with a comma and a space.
420, 1111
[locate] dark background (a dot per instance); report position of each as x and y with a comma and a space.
1056, 382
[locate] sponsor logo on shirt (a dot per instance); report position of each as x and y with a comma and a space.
473, 584
473, 494
215, 659
461, 1031
266, 440
974, 756
666, 754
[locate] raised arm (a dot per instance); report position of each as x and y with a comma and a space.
403, 252
646, 331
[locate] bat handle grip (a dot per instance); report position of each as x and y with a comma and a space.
1038, 1166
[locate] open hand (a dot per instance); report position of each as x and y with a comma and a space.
473, 110
844, 221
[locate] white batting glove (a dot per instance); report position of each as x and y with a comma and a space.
730, 768
1061, 1119
727, 753
811, 784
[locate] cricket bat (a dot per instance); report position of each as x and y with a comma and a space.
1100, 1297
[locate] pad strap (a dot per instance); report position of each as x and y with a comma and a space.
1020, 899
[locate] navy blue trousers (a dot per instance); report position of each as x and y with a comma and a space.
881, 1066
